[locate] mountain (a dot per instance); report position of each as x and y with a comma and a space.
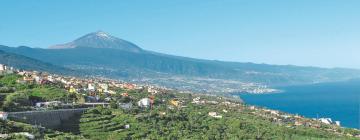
26, 63
104, 55
99, 39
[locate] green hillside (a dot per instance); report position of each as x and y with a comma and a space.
26, 63
173, 115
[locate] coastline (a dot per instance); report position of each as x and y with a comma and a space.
338, 102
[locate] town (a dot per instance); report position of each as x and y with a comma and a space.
120, 108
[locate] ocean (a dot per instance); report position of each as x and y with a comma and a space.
338, 101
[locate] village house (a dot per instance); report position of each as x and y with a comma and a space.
2, 67
214, 114
329, 121
50, 78
144, 102
104, 87
28, 79
298, 123
91, 87
128, 86
212, 102
125, 94
162, 113
3, 115
252, 108
198, 101
274, 112
48, 104
72, 89
103, 104
152, 90
174, 102
26, 134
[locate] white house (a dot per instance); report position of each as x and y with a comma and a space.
3, 115
152, 90
26, 134
214, 114
337, 123
105, 87
326, 120
144, 102
91, 87
196, 100
50, 78
2, 67
48, 104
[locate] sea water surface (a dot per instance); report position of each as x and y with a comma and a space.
338, 101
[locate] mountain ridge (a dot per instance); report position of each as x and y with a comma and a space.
99, 39
133, 61
26, 63
175, 71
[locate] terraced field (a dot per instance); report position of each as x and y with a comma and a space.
98, 125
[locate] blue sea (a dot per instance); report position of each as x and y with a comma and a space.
338, 101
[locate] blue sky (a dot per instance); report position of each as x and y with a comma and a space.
323, 33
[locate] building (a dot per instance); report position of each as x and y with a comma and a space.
26, 134
48, 104
129, 86
3, 115
174, 102
144, 102
196, 100
124, 94
72, 89
28, 79
298, 123
337, 123
214, 114
152, 90
104, 87
91, 87
326, 120
2, 67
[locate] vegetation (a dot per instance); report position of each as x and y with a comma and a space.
17, 102
161, 121
190, 122
21, 97
48, 94
13, 129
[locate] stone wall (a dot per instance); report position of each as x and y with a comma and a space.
49, 118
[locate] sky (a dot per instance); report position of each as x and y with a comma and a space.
323, 33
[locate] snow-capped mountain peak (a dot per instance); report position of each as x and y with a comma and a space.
99, 39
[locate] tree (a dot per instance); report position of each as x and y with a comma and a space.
15, 101
113, 104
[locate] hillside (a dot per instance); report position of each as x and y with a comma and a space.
127, 65
104, 55
171, 115
26, 63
